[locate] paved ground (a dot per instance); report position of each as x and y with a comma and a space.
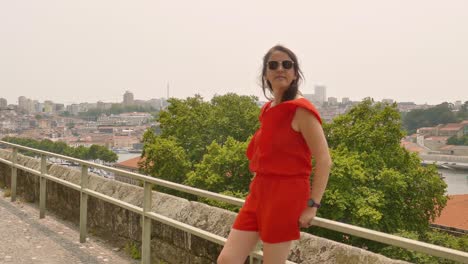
25, 239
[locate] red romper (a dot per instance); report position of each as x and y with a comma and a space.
282, 162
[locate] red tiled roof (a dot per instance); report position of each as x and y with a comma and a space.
455, 214
411, 147
129, 164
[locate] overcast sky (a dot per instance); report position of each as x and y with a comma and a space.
84, 51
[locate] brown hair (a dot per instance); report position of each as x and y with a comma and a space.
293, 89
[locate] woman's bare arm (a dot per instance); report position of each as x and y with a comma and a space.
312, 132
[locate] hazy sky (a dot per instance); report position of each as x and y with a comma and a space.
77, 51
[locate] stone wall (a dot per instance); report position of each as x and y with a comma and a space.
168, 244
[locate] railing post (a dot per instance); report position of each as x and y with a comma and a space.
83, 204
146, 230
14, 173
42, 187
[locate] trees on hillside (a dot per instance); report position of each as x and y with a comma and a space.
454, 140
115, 109
95, 152
463, 112
439, 114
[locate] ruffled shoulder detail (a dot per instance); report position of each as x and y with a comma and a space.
306, 104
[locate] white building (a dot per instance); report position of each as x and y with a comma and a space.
128, 98
321, 93
3, 103
332, 101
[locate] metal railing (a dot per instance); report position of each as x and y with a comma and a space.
147, 215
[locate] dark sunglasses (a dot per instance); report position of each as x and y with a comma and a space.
287, 64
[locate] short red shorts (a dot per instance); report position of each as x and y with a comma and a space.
273, 207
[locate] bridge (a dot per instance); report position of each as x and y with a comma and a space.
169, 229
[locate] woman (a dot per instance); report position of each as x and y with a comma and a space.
280, 199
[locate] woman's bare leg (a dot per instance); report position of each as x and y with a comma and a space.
276, 253
238, 246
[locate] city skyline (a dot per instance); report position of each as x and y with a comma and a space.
122, 100
72, 52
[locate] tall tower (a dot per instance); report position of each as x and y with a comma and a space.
3, 103
22, 103
128, 98
321, 93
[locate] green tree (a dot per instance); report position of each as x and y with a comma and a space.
374, 182
439, 114
432, 237
185, 120
93, 152
107, 155
81, 152
224, 169
60, 147
93, 114
233, 116
195, 124
46, 145
164, 158
463, 112
454, 140
70, 125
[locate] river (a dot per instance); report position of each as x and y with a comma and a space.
127, 156
457, 181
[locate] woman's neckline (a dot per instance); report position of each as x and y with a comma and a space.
270, 103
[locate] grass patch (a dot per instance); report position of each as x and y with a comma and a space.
7, 193
133, 250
